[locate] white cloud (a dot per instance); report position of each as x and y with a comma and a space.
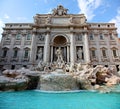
1, 30
116, 20
6, 16
87, 7
49, 11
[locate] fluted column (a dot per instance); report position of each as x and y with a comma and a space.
68, 54
86, 48
10, 52
33, 46
51, 53
47, 48
72, 49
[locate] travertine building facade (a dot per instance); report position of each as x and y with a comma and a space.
25, 44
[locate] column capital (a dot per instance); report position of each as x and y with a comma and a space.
34, 30
85, 32
47, 32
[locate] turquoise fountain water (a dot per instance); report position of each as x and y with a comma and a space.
72, 100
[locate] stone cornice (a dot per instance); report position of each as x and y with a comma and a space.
59, 25
100, 28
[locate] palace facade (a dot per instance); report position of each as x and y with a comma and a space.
25, 44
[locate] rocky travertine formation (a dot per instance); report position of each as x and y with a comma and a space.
58, 82
60, 77
16, 79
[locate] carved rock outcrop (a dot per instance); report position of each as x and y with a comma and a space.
58, 82
21, 79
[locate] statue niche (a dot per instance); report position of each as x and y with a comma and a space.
59, 45
39, 55
79, 53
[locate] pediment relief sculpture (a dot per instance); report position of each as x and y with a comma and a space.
60, 11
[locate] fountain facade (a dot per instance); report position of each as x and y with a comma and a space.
62, 52
60, 76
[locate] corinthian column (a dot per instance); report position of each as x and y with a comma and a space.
47, 48
33, 46
72, 49
86, 48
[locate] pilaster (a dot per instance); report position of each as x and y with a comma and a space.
72, 48
86, 48
47, 48
33, 45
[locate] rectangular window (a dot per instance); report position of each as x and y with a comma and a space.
18, 37
15, 53
104, 53
114, 53
28, 36
101, 37
26, 54
4, 53
8, 37
111, 37
13, 67
93, 53
91, 37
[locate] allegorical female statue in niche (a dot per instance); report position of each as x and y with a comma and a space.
79, 53
40, 54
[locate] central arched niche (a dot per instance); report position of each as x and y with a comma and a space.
59, 40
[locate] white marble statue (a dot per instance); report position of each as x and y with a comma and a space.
71, 19
48, 20
36, 19
40, 53
79, 53
119, 70
60, 63
59, 55
60, 11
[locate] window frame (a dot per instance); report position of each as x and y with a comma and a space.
15, 54
91, 37
28, 38
26, 56
18, 36
101, 37
4, 54
104, 54
93, 53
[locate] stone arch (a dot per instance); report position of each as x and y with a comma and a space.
103, 48
93, 48
5, 47
16, 47
114, 48
58, 36
26, 48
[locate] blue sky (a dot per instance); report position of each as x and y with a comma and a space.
95, 10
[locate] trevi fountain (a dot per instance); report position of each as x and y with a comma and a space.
57, 81
60, 76
60, 85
